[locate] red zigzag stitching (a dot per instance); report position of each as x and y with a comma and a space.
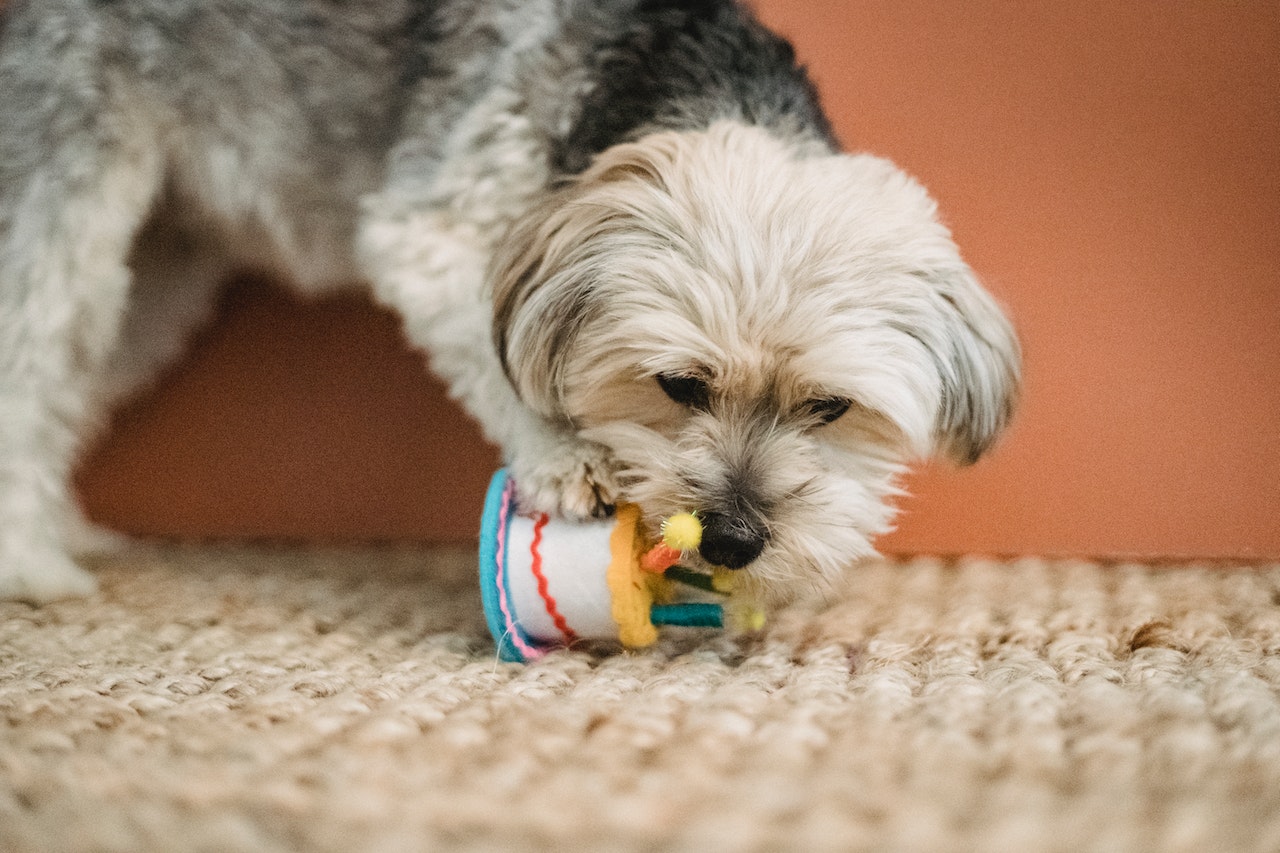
552, 610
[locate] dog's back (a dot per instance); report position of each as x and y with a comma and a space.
255, 111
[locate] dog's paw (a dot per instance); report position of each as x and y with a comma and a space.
577, 481
85, 538
43, 576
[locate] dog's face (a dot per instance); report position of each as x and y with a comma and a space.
761, 333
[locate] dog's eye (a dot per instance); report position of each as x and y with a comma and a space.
688, 391
827, 409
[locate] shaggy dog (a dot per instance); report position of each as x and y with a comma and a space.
620, 229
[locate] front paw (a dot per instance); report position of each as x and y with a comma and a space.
85, 538
41, 575
577, 480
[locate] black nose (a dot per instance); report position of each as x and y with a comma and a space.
730, 542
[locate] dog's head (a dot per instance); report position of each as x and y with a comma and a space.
761, 333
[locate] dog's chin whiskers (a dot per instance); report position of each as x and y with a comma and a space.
803, 493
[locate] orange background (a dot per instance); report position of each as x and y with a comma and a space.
1112, 169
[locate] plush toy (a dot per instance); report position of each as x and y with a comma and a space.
547, 582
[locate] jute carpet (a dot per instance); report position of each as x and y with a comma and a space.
349, 700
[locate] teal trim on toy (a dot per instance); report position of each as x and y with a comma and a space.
693, 614
492, 532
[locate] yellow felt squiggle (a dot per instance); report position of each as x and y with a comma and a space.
630, 589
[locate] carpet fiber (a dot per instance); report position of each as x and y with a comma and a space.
349, 700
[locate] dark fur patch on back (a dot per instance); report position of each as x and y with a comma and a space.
682, 65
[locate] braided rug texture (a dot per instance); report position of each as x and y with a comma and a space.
348, 700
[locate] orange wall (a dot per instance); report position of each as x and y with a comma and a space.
1112, 169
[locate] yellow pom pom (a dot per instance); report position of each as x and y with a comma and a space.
682, 531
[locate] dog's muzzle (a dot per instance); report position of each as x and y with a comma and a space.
730, 542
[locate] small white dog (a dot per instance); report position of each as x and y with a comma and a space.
620, 229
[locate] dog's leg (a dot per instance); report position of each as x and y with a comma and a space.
177, 270
75, 186
431, 270
177, 274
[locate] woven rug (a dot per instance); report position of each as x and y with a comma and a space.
347, 700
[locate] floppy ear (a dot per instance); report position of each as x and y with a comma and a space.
979, 362
540, 301
548, 274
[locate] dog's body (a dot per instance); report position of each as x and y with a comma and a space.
619, 229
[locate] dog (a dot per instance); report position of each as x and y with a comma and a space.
622, 231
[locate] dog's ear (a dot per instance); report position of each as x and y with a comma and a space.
550, 270
539, 303
979, 362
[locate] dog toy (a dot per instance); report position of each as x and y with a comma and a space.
547, 582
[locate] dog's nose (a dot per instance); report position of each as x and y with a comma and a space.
730, 542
